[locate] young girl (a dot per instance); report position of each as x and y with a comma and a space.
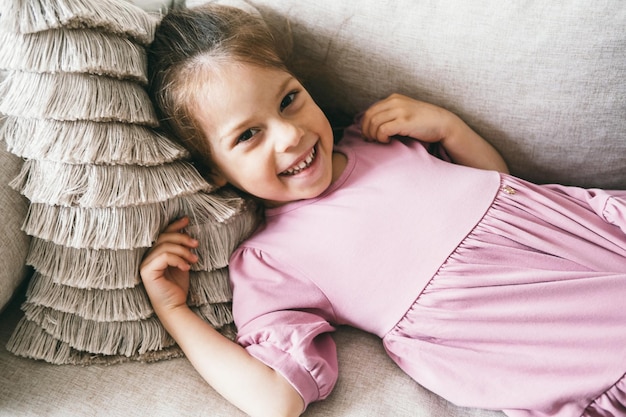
486, 289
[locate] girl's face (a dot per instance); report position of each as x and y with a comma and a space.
267, 136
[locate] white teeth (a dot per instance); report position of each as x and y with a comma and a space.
305, 163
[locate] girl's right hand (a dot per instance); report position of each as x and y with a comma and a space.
244, 380
165, 268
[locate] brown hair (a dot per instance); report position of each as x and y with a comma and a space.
188, 45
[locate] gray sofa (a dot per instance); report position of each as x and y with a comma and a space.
544, 82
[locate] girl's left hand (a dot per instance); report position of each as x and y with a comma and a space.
398, 115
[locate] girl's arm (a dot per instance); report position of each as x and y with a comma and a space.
246, 382
399, 115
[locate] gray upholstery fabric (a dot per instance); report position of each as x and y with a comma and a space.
13, 242
370, 385
544, 82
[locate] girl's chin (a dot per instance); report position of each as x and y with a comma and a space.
313, 191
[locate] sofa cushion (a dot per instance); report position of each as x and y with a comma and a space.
370, 385
544, 82
13, 241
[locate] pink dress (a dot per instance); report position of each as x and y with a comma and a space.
490, 291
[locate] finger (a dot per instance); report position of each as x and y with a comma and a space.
178, 250
385, 131
370, 114
177, 225
380, 125
368, 122
182, 239
154, 267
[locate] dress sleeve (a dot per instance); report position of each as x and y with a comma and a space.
283, 320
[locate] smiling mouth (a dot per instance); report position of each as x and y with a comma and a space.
304, 164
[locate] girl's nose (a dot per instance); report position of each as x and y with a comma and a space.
288, 135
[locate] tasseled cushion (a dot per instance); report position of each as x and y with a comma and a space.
102, 183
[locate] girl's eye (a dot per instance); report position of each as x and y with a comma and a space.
289, 98
247, 135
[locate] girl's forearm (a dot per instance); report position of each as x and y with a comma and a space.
468, 148
243, 380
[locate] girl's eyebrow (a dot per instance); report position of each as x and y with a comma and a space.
283, 86
246, 122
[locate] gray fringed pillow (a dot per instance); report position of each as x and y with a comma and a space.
102, 183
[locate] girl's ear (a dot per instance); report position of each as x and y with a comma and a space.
217, 179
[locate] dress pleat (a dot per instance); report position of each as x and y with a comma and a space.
528, 315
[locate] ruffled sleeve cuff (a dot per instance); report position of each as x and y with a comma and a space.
308, 362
